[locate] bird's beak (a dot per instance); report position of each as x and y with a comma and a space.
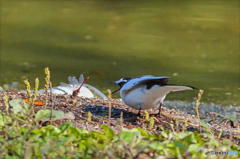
115, 83
116, 91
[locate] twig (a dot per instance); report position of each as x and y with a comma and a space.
47, 84
151, 122
89, 117
199, 96
75, 92
121, 119
51, 100
110, 105
6, 100
31, 98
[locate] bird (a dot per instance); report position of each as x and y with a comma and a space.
146, 92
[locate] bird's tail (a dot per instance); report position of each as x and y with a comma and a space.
175, 88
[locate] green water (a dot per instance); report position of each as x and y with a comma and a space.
194, 42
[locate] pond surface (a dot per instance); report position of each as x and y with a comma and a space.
194, 42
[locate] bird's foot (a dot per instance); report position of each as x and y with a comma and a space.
160, 109
158, 114
139, 113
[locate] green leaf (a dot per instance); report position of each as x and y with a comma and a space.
69, 115
107, 130
65, 126
180, 145
143, 132
179, 156
46, 115
190, 138
157, 146
4, 119
18, 106
130, 135
194, 148
165, 134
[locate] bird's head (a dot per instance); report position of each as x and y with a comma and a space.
121, 83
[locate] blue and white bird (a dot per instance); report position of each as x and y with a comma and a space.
146, 92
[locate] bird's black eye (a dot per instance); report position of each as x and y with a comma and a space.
122, 81
121, 84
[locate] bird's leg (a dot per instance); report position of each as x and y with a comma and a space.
160, 108
139, 111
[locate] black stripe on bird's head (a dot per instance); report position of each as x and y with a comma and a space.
121, 83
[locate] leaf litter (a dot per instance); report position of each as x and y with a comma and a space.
77, 110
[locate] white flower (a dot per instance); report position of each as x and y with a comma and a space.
73, 84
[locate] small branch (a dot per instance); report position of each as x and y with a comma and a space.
199, 96
75, 92
109, 106
51, 100
121, 119
89, 117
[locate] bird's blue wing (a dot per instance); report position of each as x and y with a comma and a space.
148, 80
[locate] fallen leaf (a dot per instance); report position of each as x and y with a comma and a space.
36, 102
47, 115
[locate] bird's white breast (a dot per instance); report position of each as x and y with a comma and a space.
143, 98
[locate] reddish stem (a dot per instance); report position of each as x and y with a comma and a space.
75, 93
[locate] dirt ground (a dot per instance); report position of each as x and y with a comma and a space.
116, 114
